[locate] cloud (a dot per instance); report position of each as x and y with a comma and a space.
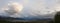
40, 7
13, 9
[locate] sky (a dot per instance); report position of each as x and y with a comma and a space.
32, 7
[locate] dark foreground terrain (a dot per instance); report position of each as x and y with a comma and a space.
4, 21
16, 20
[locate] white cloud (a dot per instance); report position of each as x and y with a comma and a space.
14, 7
